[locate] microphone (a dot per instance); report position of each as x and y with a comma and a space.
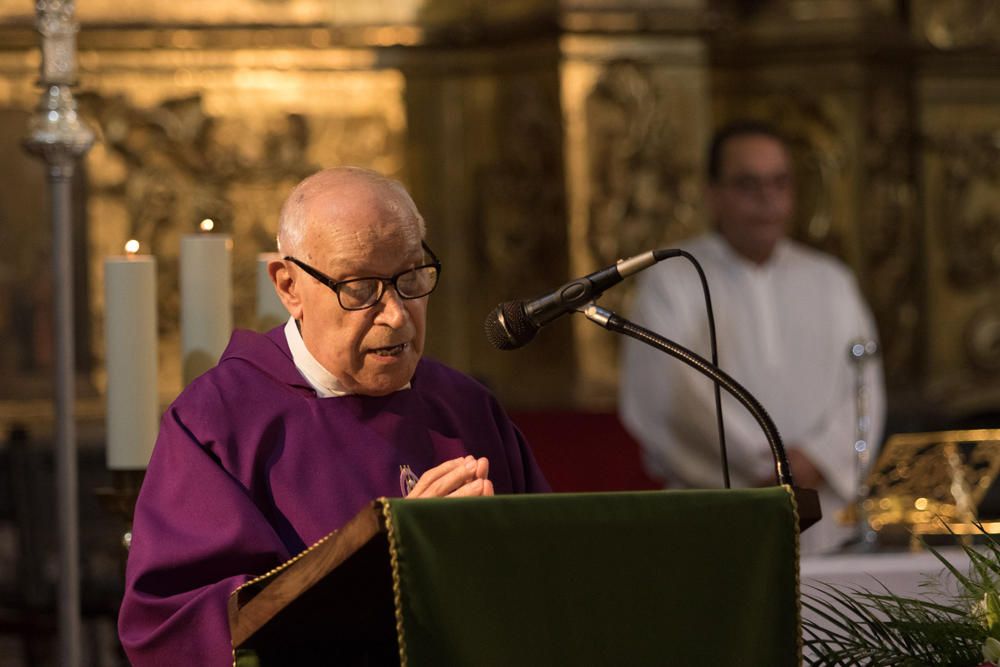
513, 324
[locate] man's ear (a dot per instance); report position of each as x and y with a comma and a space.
287, 286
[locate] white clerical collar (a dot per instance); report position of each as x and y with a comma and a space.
320, 379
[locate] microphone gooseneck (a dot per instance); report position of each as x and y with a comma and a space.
613, 322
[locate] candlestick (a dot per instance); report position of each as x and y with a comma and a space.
133, 409
206, 299
270, 311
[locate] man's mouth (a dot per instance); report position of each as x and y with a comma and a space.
390, 351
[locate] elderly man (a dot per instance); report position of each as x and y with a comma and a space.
786, 316
296, 430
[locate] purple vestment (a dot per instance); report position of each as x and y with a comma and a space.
250, 467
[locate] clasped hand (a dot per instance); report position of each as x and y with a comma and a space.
465, 476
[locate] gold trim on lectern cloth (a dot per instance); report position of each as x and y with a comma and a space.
397, 591
798, 590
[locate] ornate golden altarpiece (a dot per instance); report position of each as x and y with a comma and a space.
541, 139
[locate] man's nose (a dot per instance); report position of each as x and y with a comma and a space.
391, 309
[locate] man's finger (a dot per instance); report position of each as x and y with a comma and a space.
474, 488
442, 469
434, 474
483, 468
445, 479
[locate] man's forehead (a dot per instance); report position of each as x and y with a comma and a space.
367, 248
755, 153
351, 220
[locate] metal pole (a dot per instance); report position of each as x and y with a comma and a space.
860, 352
58, 137
66, 460
60, 184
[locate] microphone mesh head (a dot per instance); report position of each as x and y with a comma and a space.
508, 326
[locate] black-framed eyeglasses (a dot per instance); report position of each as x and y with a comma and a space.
365, 292
752, 184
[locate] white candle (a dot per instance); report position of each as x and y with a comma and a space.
206, 299
133, 410
270, 311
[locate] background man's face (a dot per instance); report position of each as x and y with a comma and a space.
753, 199
373, 351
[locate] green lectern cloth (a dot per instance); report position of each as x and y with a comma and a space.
652, 578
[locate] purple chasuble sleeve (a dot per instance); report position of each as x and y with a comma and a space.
197, 537
250, 467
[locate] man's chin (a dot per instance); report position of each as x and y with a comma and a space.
386, 381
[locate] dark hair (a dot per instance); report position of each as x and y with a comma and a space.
734, 130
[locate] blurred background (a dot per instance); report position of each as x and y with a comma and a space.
541, 139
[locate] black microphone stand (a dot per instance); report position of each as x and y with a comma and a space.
617, 324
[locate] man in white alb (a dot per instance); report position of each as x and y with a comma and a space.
785, 316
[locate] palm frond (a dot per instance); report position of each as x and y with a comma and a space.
856, 626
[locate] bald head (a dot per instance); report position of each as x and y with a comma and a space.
336, 208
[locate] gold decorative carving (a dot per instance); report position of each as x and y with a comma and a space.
888, 230
969, 213
163, 166
635, 133
184, 166
643, 190
521, 194
521, 232
216, 110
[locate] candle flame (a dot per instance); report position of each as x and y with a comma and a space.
132, 246
207, 225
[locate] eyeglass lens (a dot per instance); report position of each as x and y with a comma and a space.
410, 285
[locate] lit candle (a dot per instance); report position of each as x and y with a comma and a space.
206, 299
270, 311
133, 409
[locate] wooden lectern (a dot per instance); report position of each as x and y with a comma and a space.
333, 602
667, 577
